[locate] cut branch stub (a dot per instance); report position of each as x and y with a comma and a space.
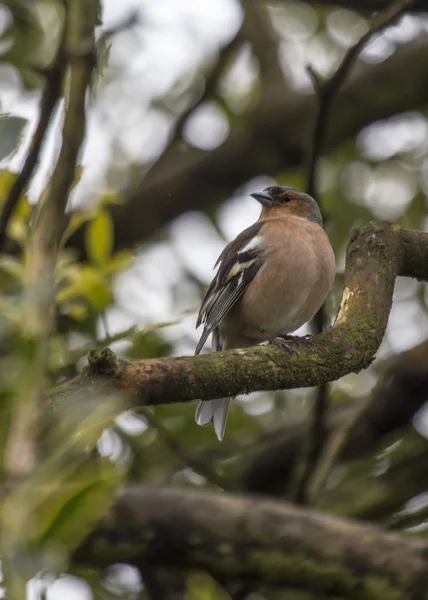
102, 362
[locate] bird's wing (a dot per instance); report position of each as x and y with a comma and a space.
237, 267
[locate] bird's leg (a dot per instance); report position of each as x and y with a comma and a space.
280, 341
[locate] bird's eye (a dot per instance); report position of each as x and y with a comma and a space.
287, 198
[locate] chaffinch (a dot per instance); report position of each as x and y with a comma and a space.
271, 280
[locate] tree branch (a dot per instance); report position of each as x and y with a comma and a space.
377, 253
46, 232
326, 92
272, 138
48, 223
272, 542
52, 92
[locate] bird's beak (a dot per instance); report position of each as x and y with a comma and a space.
264, 198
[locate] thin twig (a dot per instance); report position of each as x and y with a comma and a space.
326, 93
73, 356
54, 77
199, 466
318, 432
153, 587
45, 235
128, 22
212, 77
330, 451
265, 44
48, 222
328, 90
267, 53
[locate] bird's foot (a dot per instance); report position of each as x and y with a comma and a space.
286, 341
307, 340
281, 341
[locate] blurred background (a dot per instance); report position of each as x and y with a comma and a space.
196, 104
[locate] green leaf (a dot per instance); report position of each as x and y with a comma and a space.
6, 181
57, 505
96, 288
119, 262
13, 267
200, 586
85, 497
111, 198
78, 218
75, 310
86, 282
99, 238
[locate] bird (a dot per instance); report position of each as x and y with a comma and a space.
270, 280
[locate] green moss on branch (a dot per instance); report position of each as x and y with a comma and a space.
265, 541
377, 253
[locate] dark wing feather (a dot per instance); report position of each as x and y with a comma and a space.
226, 289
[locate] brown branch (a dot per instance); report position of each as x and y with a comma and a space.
376, 255
54, 77
250, 539
212, 78
326, 93
255, 28
48, 223
265, 41
272, 138
46, 231
317, 435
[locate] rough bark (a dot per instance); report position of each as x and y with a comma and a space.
266, 541
377, 253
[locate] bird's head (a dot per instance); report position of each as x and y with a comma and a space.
283, 200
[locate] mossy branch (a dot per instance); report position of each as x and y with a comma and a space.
245, 538
377, 253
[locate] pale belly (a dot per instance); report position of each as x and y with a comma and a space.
289, 300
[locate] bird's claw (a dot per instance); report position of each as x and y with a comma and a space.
285, 341
281, 341
307, 340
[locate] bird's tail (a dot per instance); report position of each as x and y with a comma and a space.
215, 412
